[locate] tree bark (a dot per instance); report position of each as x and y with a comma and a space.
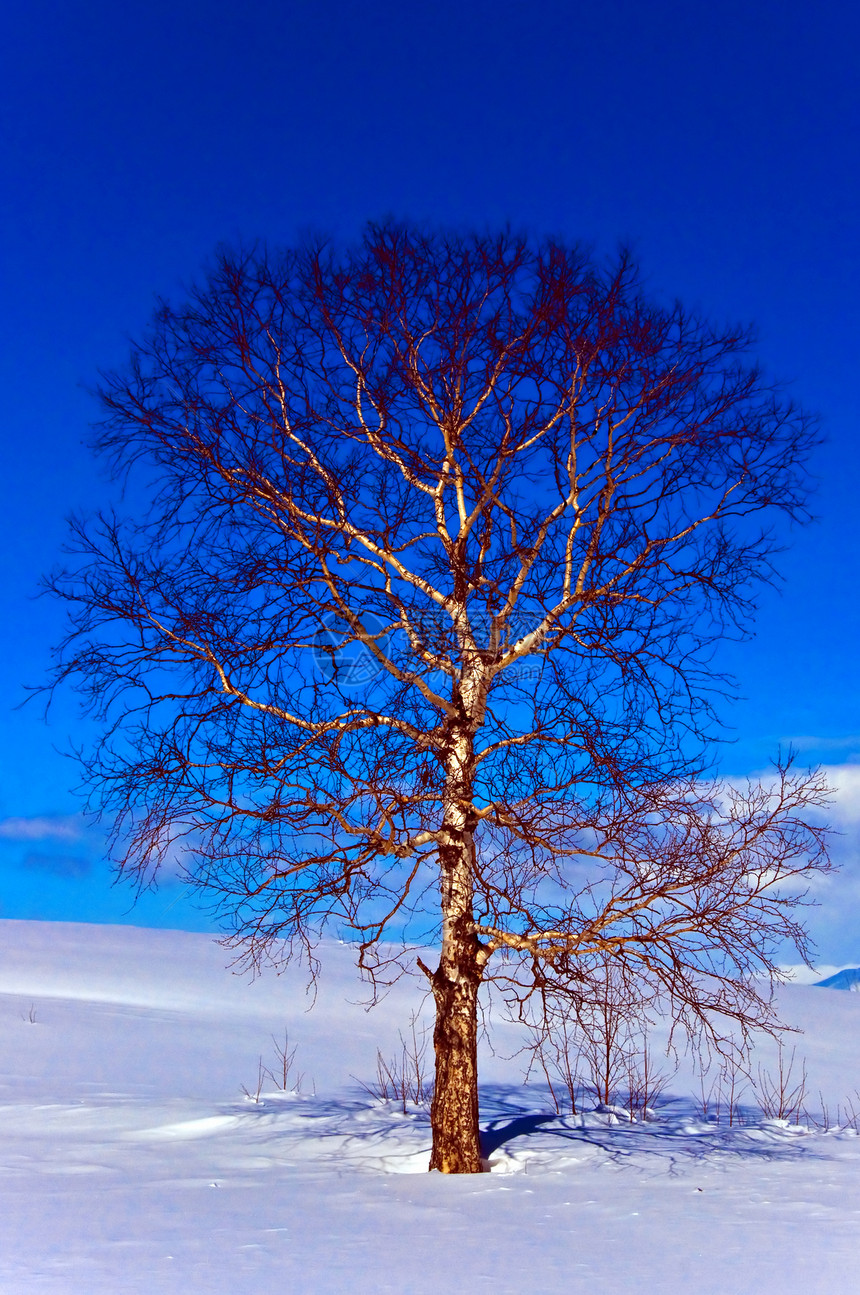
454, 1112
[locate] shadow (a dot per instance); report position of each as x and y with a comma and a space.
498, 1133
352, 1126
669, 1138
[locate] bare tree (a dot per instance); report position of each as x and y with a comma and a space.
596, 1035
402, 1077
608, 1019
414, 634
555, 1047
646, 1079
781, 1094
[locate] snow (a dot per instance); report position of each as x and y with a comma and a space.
133, 1162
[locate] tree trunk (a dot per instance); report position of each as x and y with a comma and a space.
454, 1112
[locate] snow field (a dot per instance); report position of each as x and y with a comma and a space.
131, 1160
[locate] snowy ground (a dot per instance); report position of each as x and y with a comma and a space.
132, 1162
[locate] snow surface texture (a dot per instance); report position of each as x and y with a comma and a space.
132, 1161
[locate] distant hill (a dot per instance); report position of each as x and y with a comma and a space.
847, 979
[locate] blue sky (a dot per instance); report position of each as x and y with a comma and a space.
721, 141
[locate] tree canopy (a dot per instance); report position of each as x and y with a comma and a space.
415, 635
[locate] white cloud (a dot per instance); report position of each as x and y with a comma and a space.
843, 808
43, 827
844, 781
799, 974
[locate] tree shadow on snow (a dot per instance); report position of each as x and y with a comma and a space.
676, 1133
500, 1132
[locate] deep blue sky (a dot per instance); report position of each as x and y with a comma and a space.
721, 140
